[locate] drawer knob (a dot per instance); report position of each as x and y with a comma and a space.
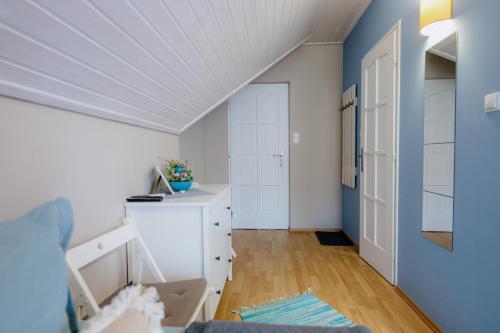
229, 234
217, 258
230, 260
228, 207
216, 224
218, 292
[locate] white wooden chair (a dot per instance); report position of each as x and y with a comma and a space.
183, 300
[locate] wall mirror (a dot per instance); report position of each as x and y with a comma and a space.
439, 142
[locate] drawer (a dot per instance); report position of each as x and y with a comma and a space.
217, 280
219, 240
219, 254
211, 306
219, 231
218, 270
220, 281
220, 211
220, 223
218, 262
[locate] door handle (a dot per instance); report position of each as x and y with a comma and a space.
281, 154
361, 157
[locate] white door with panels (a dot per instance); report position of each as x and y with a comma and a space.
378, 154
259, 157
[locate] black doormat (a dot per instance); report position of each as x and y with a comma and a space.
333, 238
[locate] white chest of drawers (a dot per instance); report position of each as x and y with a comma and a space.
189, 237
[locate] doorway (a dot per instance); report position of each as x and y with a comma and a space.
259, 151
378, 154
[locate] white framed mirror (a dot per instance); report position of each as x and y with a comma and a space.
439, 141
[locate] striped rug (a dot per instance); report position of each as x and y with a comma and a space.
302, 310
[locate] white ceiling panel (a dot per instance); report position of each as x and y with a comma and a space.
336, 19
160, 64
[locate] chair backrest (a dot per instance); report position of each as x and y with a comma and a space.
88, 252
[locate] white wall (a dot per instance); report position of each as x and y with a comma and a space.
48, 153
314, 73
192, 149
205, 147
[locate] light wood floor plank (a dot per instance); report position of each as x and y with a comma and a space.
276, 264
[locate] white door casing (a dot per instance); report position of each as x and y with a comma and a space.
379, 117
259, 164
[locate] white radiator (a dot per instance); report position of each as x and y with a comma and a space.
348, 110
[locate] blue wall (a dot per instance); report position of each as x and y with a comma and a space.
460, 290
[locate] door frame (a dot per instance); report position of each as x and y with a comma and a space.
395, 28
287, 83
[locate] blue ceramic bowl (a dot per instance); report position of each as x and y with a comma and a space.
180, 186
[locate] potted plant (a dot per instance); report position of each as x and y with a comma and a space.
178, 175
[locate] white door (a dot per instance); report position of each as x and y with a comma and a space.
259, 157
378, 155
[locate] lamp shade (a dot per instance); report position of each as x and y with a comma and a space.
435, 15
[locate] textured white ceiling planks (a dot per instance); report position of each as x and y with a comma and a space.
336, 19
160, 64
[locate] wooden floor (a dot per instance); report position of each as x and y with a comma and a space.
275, 264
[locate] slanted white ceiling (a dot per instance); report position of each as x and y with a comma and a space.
336, 18
159, 64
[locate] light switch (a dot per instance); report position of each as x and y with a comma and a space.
296, 137
492, 102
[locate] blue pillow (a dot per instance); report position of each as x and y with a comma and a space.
34, 287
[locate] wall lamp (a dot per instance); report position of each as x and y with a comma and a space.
436, 17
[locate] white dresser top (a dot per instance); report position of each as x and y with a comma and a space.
202, 196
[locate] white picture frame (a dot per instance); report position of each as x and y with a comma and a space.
159, 179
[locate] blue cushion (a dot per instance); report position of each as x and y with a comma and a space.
34, 290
